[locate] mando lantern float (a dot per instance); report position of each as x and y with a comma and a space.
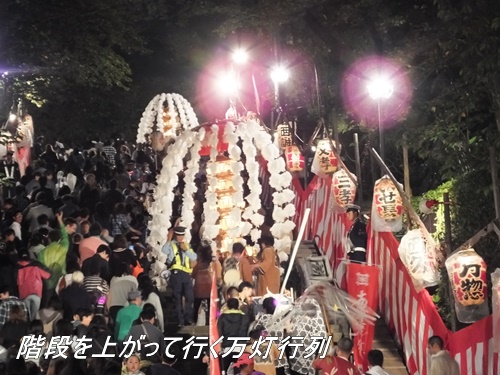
163, 118
229, 213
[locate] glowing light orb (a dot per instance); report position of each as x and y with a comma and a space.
280, 74
240, 56
228, 83
376, 83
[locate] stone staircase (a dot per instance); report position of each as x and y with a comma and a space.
384, 342
306, 249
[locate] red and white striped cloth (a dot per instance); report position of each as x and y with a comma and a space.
411, 316
414, 318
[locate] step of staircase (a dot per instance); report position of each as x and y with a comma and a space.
306, 249
383, 341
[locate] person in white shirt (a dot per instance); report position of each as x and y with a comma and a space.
442, 363
16, 224
375, 362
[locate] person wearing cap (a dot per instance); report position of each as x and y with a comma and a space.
357, 236
127, 315
180, 260
246, 365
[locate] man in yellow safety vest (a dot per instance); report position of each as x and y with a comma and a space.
180, 260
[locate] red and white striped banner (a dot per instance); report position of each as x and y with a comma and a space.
411, 316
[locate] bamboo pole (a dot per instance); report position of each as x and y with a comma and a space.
295, 249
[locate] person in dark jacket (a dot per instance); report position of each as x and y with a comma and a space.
232, 323
74, 297
100, 260
356, 237
14, 328
121, 254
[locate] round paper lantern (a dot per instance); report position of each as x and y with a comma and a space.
467, 274
343, 189
324, 159
388, 202
294, 159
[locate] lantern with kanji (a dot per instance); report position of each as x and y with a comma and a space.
388, 201
343, 189
294, 159
387, 207
324, 161
467, 273
284, 133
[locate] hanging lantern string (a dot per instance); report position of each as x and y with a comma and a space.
320, 125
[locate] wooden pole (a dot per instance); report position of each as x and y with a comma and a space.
406, 201
358, 170
337, 155
449, 250
406, 167
494, 178
295, 249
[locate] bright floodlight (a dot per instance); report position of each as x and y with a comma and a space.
228, 84
380, 88
240, 56
12, 117
279, 74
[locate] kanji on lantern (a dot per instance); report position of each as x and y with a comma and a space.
387, 200
469, 278
294, 159
284, 136
343, 190
324, 161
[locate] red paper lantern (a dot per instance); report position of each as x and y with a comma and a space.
343, 189
388, 202
294, 159
467, 273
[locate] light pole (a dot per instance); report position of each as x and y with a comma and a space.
279, 74
380, 88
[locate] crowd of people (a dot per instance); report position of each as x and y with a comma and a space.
74, 263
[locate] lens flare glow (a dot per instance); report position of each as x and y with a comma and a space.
280, 74
376, 83
228, 83
12, 117
240, 56
380, 87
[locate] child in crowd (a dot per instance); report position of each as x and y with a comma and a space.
132, 365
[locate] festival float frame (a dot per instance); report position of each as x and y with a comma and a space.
223, 139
